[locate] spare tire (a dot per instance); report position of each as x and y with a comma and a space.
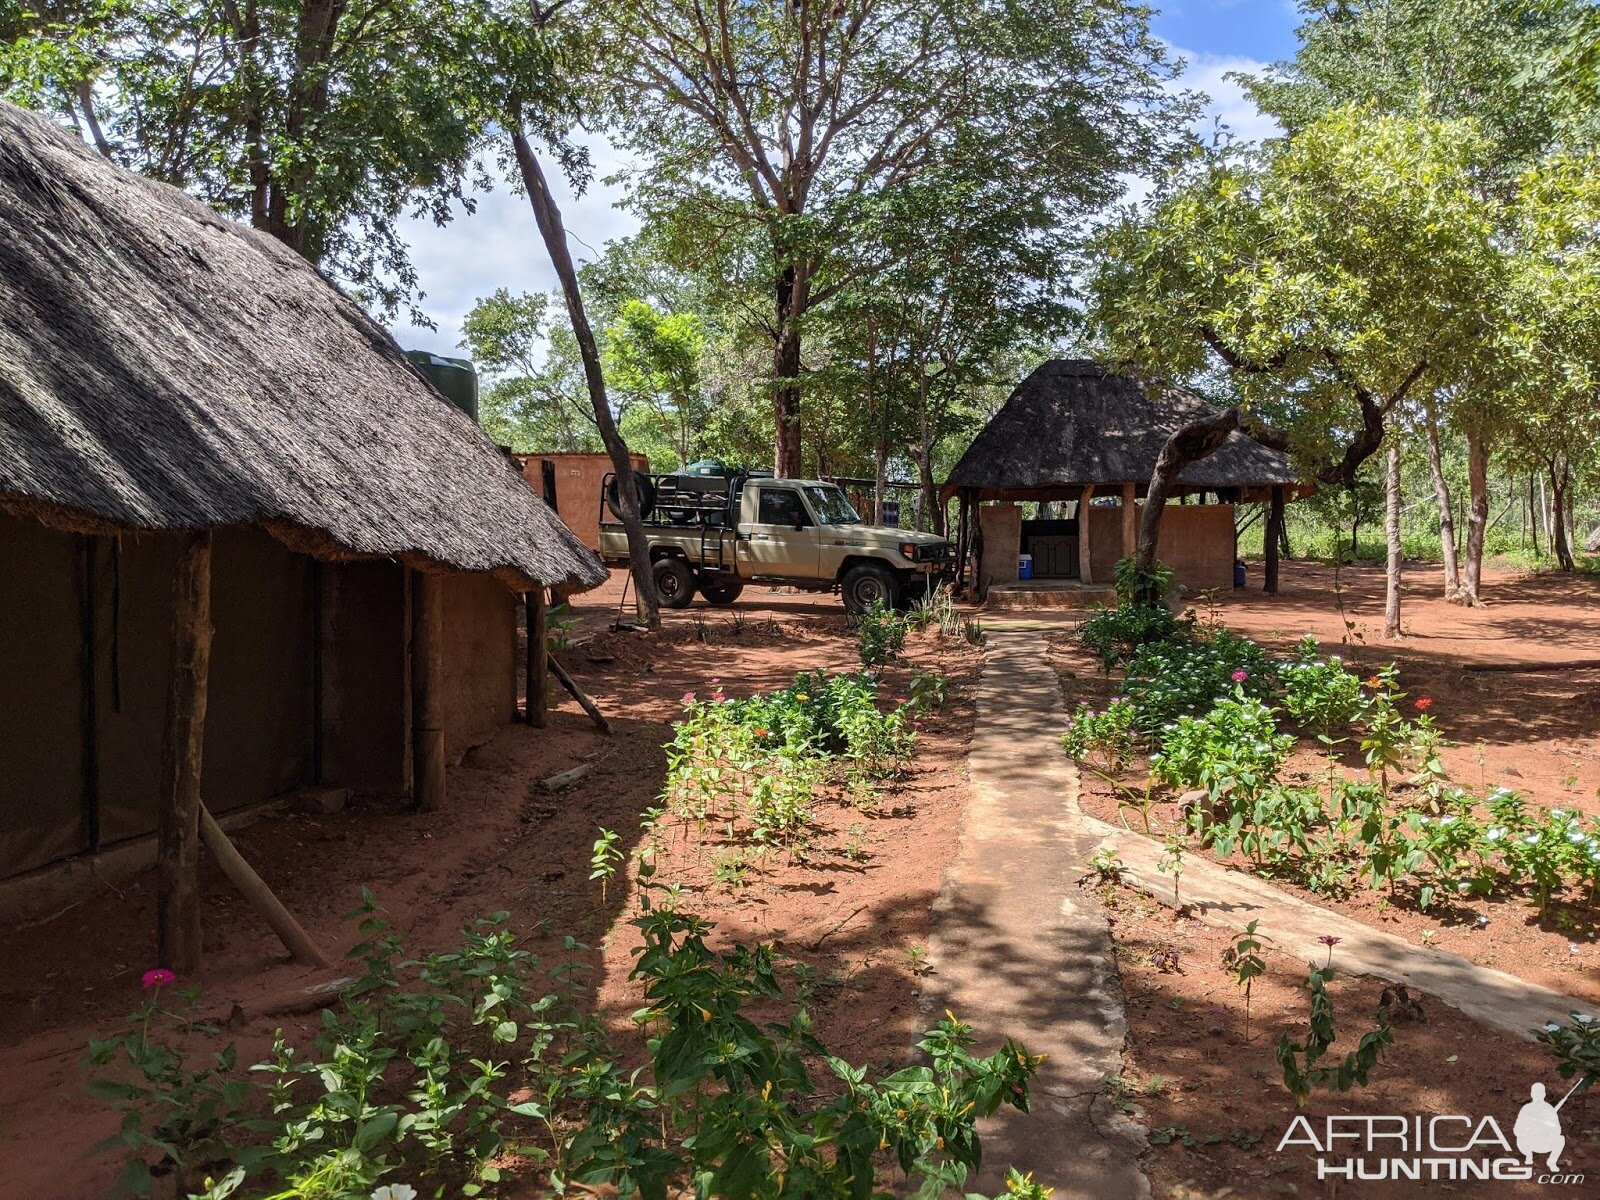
644, 491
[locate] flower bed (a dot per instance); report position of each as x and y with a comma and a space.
1296, 767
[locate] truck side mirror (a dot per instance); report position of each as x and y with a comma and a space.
799, 524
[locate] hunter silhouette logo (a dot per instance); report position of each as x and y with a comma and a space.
1451, 1147
1538, 1127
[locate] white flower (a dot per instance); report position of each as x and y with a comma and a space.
1582, 1018
1551, 1027
395, 1191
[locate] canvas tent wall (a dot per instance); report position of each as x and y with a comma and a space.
163, 370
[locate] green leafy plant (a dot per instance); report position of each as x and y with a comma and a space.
880, 636
1102, 739
1244, 965
1135, 585
1301, 1062
1114, 635
1575, 1047
604, 860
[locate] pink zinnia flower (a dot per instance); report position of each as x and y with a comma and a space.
1330, 940
688, 697
1240, 675
157, 977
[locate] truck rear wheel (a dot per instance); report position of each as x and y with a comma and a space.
674, 582
866, 584
721, 593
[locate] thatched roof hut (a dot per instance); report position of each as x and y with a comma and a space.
1074, 422
1075, 430
164, 368
245, 548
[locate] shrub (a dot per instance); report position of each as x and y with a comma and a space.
1299, 1060
432, 1069
880, 635
1114, 635
1101, 740
1576, 1048
1172, 679
1235, 749
1319, 693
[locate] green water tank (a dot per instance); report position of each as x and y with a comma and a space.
454, 377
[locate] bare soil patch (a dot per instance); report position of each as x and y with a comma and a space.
1213, 1097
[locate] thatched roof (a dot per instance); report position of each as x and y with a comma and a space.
164, 368
1073, 422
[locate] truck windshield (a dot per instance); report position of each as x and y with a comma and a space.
831, 507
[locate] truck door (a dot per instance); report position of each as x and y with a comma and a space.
782, 541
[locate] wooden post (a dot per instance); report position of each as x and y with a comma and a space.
538, 656
251, 886
183, 743
1130, 521
1274, 537
427, 690
1085, 572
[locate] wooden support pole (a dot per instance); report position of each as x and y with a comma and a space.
1273, 540
1130, 521
183, 743
1085, 571
538, 700
254, 889
427, 690
580, 696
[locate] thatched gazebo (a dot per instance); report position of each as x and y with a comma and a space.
198, 433
1075, 430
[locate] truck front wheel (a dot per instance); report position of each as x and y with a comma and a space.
721, 594
674, 582
866, 584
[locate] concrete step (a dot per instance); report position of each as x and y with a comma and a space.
1049, 593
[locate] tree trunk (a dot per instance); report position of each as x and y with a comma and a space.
1477, 519
1560, 481
786, 376
1272, 540
1193, 442
1391, 538
178, 822
1441, 493
930, 487
554, 234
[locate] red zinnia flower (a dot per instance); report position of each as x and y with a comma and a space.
1423, 703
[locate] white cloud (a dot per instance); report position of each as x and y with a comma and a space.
498, 246
1227, 102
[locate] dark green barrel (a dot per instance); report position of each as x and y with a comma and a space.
454, 377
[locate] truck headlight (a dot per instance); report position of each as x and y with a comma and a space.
909, 549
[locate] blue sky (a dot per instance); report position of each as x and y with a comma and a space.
498, 246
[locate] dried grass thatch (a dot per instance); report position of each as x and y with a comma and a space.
1073, 422
164, 368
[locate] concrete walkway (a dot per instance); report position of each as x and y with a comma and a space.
1019, 951
1232, 899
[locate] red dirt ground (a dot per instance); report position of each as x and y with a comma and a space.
853, 911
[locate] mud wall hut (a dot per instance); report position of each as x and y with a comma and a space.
179, 392
1078, 435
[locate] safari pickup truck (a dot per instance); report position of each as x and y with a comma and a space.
714, 533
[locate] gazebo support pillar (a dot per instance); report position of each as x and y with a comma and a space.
1085, 548
1274, 537
183, 742
427, 690
1130, 521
